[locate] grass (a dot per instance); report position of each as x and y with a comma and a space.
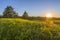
20, 29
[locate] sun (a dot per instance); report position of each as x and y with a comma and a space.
48, 15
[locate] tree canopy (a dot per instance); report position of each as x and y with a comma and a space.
9, 12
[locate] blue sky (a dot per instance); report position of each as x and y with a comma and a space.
33, 7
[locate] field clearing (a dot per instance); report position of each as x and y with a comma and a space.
20, 29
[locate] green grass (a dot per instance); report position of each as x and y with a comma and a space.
20, 29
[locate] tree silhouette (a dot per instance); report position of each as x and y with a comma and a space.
9, 12
25, 15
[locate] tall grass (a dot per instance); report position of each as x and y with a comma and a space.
20, 29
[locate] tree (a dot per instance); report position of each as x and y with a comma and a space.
25, 15
9, 12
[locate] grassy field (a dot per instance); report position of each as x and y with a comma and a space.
20, 29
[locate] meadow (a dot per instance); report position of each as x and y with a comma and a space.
21, 29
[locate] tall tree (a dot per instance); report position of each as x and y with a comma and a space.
9, 12
25, 15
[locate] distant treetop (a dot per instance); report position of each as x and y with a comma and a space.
25, 15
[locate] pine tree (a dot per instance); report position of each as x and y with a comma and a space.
25, 15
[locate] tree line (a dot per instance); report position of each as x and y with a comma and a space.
9, 12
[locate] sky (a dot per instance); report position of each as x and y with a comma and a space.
32, 7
